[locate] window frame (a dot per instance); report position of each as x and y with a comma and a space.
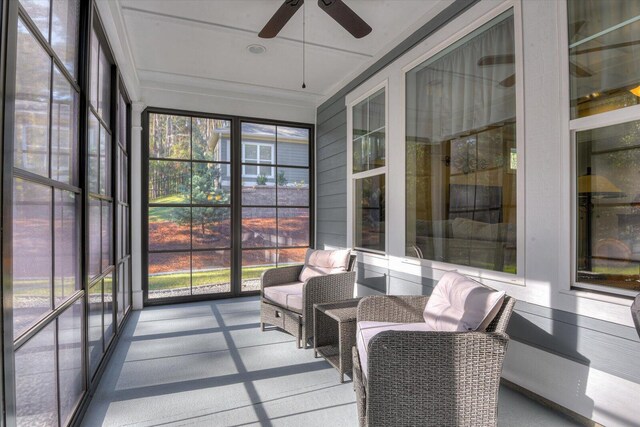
258, 162
352, 177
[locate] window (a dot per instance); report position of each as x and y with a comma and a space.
461, 152
604, 83
257, 154
368, 172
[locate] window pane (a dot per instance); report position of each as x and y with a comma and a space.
208, 186
254, 262
293, 227
95, 51
259, 227
64, 31
211, 272
293, 146
258, 191
360, 117
254, 134
377, 109
293, 187
608, 234
122, 122
210, 139
108, 308
31, 253
370, 213
66, 246
70, 359
603, 71
266, 154
250, 153
369, 133
64, 137
106, 234
33, 71
94, 157
169, 182
95, 326
38, 11
169, 228
251, 171
169, 274
36, 403
369, 151
211, 228
169, 136
104, 88
460, 178
95, 233
105, 161
291, 256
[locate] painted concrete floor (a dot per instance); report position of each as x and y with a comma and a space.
208, 364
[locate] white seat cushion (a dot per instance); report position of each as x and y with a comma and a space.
287, 296
366, 330
321, 263
459, 303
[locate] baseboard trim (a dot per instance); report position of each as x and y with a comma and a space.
581, 419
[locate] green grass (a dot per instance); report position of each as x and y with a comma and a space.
163, 214
201, 278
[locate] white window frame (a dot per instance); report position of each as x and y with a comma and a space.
257, 162
383, 170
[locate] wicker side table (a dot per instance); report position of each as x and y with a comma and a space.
335, 333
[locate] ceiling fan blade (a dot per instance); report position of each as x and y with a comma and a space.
509, 81
578, 71
606, 47
497, 59
280, 18
346, 17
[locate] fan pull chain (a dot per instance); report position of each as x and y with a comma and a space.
304, 15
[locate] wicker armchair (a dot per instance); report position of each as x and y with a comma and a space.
316, 290
428, 378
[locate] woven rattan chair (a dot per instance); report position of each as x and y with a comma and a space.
317, 290
428, 378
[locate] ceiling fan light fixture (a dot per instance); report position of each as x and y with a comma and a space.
256, 49
635, 91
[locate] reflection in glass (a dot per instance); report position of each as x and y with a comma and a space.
70, 359
293, 146
291, 256
95, 233
93, 89
259, 227
254, 262
104, 86
604, 50
260, 190
293, 187
105, 161
38, 11
106, 234
31, 253
293, 227
95, 326
35, 370
107, 300
369, 135
169, 136
169, 182
33, 68
169, 274
169, 228
608, 196
211, 228
122, 122
210, 139
369, 151
208, 186
94, 153
211, 272
370, 213
66, 246
64, 138
64, 31
460, 151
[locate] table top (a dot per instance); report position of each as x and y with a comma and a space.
342, 311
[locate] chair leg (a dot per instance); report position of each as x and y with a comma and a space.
262, 326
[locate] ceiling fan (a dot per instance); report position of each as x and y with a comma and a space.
336, 9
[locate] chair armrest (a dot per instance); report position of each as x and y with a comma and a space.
392, 308
280, 276
328, 288
447, 378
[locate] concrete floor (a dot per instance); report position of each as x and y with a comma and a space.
208, 364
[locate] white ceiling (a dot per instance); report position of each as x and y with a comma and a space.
203, 44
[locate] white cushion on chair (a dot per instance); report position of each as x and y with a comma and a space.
287, 296
366, 330
459, 303
321, 263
